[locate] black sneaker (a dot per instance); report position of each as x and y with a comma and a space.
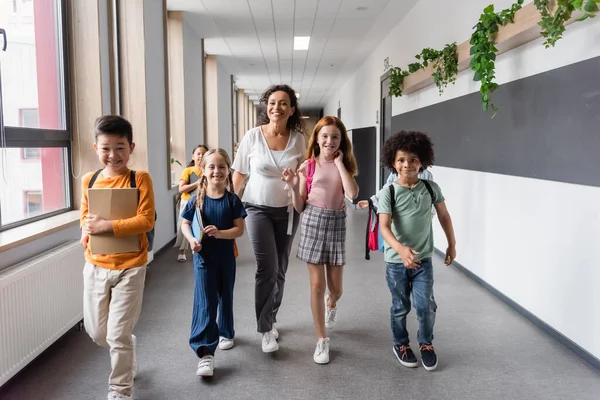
428, 357
405, 355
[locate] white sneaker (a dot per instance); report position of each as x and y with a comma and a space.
275, 332
269, 343
322, 351
206, 366
224, 343
118, 396
330, 314
135, 364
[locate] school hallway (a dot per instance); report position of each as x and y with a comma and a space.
486, 350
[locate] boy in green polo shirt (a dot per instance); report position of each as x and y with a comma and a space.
405, 223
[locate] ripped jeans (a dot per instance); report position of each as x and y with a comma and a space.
402, 282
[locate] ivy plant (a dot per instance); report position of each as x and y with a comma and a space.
483, 49
553, 24
445, 68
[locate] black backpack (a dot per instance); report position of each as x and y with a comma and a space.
132, 184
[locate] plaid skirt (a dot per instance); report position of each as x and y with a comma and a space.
323, 236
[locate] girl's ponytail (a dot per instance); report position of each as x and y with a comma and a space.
201, 191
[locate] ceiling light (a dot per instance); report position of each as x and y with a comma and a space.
305, 117
301, 42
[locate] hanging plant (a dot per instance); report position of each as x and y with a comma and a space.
483, 49
445, 68
397, 76
553, 25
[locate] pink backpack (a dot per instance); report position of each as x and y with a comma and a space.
310, 171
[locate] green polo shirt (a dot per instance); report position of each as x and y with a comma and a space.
411, 218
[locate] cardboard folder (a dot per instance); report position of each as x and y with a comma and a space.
113, 204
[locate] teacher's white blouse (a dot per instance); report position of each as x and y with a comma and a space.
264, 167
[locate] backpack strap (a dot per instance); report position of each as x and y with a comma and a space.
392, 198
132, 179
429, 189
93, 179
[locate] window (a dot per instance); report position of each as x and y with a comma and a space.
34, 125
29, 118
30, 153
33, 203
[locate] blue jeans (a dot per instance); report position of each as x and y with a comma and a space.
402, 282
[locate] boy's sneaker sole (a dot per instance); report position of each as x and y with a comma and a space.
406, 364
432, 368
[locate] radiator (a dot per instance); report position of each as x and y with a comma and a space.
40, 300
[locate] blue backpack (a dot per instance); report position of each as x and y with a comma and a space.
132, 184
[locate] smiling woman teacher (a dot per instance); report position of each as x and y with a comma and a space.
275, 144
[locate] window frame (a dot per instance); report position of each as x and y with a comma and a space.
19, 137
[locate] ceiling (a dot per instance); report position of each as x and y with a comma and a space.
254, 40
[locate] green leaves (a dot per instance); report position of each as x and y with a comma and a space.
445, 68
484, 51
553, 25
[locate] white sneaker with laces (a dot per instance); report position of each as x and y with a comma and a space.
225, 343
269, 343
275, 332
206, 366
321, 355
330, 314
135, 364
118, 396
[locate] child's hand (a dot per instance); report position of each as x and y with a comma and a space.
303, 168
408, 258
195, 245
95, 225
212, 231
450, 255
339, 158
84, 239
290, 178
363, 204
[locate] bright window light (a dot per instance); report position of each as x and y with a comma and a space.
301, 42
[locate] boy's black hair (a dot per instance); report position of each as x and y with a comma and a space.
113, 125
408, 141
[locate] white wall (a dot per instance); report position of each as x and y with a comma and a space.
157, 121
194, 101
531, 239
225, 108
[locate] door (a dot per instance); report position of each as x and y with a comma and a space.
364, 143
385, 124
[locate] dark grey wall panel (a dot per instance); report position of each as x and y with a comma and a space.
548, 127
364, 143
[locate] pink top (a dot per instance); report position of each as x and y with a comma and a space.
326, 190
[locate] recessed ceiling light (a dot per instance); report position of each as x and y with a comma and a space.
361, 8
301, 42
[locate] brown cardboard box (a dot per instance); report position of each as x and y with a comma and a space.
113, 204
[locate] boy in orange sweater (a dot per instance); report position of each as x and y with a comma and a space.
113, 284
